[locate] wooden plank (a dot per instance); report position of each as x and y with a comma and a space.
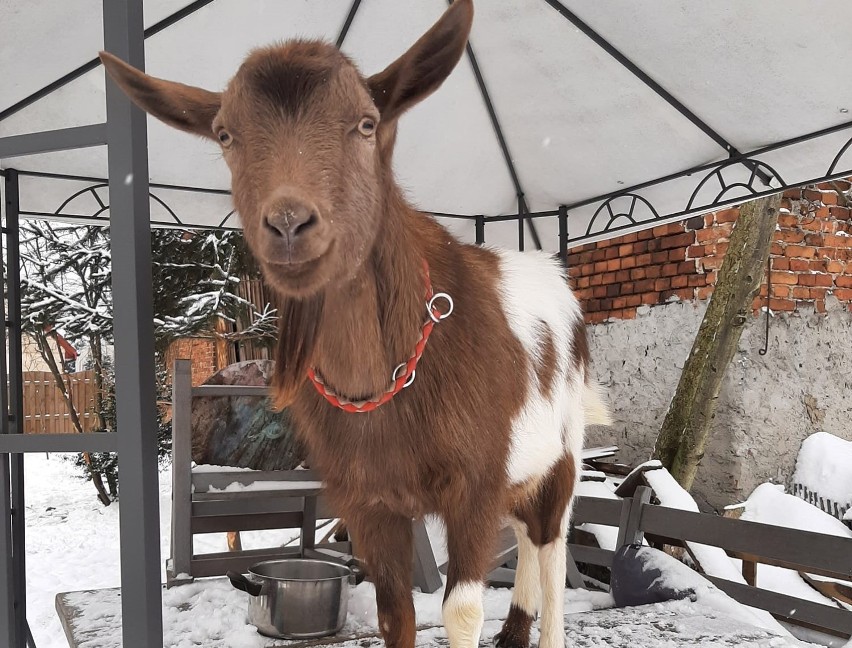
260, 505
246, 522
628, 530
219, 563
204, 481
795, 566
181, 538
230, 390
750, 572
805, 550
575, 579
426, 574
501, 577
598, 452
596, 510
591, 555
832, 589
790, 608
309, 524
250, 494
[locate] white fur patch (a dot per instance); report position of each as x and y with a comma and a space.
552, 563
534, 292
463, 615
527, 592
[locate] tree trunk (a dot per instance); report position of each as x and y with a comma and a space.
47, 353
683, 436
98, 361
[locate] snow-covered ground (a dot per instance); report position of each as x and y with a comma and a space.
73, 541
73, 544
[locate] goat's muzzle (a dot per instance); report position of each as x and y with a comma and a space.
293, 230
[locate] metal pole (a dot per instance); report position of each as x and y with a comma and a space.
8, 609
480, 230
130, 230
14, 408
16, 398
563, 234
9, 588
520, 224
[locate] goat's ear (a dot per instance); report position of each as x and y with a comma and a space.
425, 66
185, 107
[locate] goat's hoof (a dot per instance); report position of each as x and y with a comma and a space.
508, 639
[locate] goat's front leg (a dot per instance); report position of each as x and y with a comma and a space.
383, 542
471, 531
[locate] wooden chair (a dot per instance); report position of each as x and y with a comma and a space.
220, 499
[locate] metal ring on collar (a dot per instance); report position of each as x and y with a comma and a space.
431, 305
401, 367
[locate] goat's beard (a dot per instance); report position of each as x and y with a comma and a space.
299, 322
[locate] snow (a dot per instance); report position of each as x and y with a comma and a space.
263, 485
677, 576
213, 468
73, 545
713, 560
73, 541
769, 504
824, 466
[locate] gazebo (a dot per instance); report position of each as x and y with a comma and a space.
567, 122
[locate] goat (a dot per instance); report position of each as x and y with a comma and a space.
492, 426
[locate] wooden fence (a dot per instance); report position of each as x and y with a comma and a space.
802, 551
45, 411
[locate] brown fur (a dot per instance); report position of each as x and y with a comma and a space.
516, 630
546, 361
295, 125
543, 513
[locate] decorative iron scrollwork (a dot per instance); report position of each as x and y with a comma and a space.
759, 171
102, 206
630, 208
836, 161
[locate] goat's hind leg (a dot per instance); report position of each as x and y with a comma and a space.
526, 597
545, 518
555, 508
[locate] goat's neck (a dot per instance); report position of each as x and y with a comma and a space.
372, 323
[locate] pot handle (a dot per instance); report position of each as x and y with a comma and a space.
358, 574
240, 582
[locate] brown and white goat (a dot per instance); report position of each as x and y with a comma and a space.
492, 427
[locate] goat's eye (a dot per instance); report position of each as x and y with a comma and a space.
367, 126
224, 137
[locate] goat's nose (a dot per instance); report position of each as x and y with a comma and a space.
291, 218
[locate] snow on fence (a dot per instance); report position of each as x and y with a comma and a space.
45, 410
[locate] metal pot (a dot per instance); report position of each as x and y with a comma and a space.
296, 598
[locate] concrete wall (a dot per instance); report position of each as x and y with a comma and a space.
768, 404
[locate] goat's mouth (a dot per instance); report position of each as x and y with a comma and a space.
298, 274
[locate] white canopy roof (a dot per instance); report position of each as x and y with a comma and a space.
592, 100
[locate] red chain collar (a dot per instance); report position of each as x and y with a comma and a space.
404, 373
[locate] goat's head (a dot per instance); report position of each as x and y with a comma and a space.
308, 141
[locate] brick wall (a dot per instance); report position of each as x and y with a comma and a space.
202, 353
811, 259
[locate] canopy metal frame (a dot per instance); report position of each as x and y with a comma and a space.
125, 135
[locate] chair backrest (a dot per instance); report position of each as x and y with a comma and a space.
212, 499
